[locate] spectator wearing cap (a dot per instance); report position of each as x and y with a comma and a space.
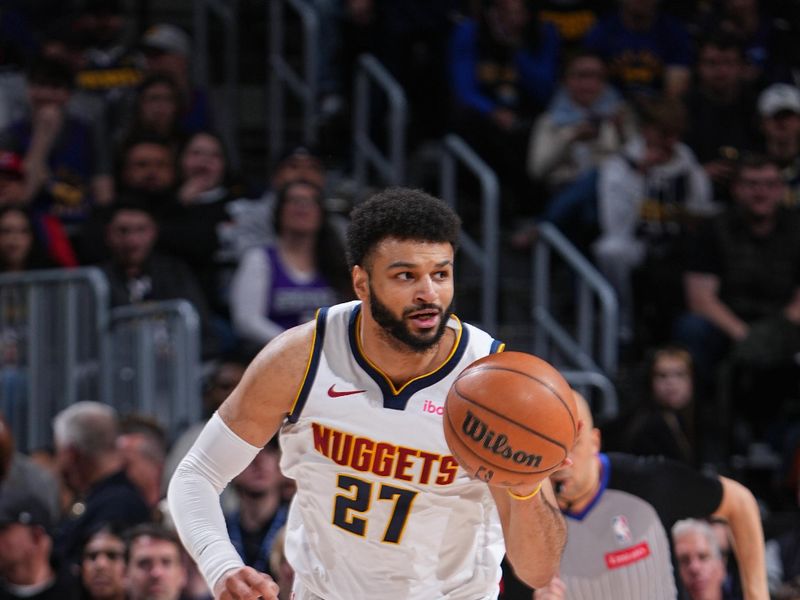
85, 436
51, 244
12, 179
779, 108
167, 50
26, 568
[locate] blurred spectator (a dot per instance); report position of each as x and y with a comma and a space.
282, 571
502, 70
137, 273
779, 108
648, 195
648, 51
221, 382
19, 248
148, 167
109, 67
25, 552
731, 585
574, 18
156, 111
19, 473
251, 219
60, 150
742, 284
156, 566
191, 228
664, 424
261, 513
722, 111
18, 45
167, 51
783, 561
85, 435
700, 564
282, 285
751, 23
147, 175
102, 572
586, 122
143, 444
12, 179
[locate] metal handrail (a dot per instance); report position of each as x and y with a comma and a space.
590, 285
227, 11
609, 409
184, 393
484, 254
283, 77
390, 167
63, 339
590, 356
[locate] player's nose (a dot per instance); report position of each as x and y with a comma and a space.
426, 290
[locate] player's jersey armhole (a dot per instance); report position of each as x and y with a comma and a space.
497, 347
311, 367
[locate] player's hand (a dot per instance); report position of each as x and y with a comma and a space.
555, 590
245, 583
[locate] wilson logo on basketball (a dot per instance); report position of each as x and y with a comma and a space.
497, 443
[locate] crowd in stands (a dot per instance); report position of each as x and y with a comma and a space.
662, 138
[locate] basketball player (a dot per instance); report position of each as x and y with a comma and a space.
381, 509
619, 511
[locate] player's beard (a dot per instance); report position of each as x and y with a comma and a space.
399, 330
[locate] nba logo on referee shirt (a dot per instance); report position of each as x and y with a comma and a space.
622, 532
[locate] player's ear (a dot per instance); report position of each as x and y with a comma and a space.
360, 282
596, 438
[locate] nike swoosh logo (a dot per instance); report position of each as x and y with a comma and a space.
334, 394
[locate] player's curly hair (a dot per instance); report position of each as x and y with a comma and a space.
402, 213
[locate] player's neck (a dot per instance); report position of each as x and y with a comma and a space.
398, 362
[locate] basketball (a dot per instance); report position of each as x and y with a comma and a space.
510, 419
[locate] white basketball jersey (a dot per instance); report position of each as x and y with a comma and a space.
382, 510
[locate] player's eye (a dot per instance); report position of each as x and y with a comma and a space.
405, 275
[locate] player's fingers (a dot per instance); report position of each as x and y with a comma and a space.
262, 584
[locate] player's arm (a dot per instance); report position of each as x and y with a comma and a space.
534, 531
244, 423
740, 510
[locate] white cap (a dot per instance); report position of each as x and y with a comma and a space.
778, 97
167, 38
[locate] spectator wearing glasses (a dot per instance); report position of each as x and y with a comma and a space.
743, 291
102, 569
